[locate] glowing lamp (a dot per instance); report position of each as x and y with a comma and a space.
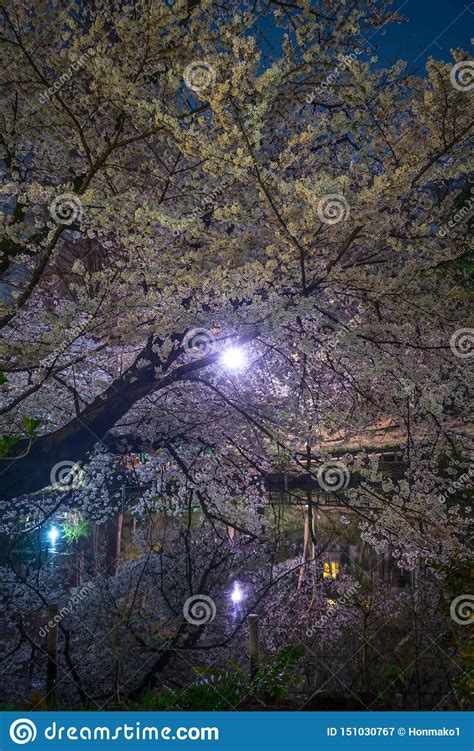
233, 358
236, 595
53, 535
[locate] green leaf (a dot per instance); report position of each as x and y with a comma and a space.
74, 531
7, 442
30, 424
3, 378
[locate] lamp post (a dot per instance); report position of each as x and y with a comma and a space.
253, 644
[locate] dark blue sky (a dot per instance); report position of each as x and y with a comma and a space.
433, 28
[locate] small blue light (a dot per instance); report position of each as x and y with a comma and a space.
53, 535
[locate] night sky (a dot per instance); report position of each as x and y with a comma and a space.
432, 28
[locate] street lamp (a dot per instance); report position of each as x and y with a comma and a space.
236, 595
233, 358
53, 535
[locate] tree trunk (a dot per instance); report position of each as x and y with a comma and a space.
29, 465
90, 549
114, 538
309, 543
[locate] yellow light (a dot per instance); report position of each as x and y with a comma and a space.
331, 569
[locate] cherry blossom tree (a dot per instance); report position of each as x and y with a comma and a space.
163, 177
233, 263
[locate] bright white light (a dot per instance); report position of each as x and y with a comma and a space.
233, 358
236, 595
53, 535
